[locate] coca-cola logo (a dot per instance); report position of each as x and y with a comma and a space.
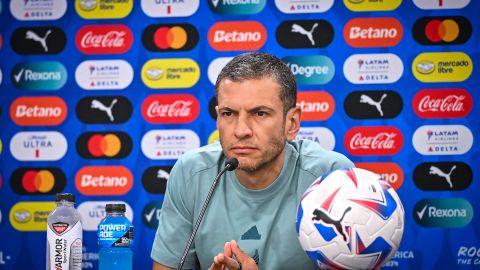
373, 141
442, 103
104, 39
170, 109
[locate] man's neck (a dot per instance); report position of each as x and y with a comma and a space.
263, 177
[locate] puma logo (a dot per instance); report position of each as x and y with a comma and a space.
322, 216
376, 104
163, 174
100, 106
43, 40
298, 29
436, 171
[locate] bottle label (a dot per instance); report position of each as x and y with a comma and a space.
114, 233
64, 246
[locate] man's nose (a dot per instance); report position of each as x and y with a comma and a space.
242, 127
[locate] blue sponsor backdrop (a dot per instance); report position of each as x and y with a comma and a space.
442, 246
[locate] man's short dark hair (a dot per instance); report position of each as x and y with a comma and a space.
258, 65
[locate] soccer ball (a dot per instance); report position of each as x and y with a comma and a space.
350, 219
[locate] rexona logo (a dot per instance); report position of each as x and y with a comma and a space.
104, 39
170, 73
389, 171
315, 106
442, 30
442, 67
373, 104
313, 69
154, 179
442, 103
303, 6
38, 40
104, 145
103, 9
104, 109
441, 4
170, 37
30, 216
151, 214
104, 180
442, 140
170, 109
48, 75
373, 68
304, 34
215, 67
38, 181
372, 5
373, 32
322, 136
104, 74
443, 212
168, 144
92, 213
38, 111
373, 141
243, 7
442, 176
175, 8
38, 146
44, 10
237, 36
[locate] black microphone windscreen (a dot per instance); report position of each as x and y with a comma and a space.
232, 164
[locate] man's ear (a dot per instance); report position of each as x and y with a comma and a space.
216, 110
292, 125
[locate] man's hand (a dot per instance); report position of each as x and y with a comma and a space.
225, 261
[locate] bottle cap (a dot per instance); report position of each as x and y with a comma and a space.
69, 197
117, 207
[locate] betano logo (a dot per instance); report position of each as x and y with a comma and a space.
104, 180
442, 103
168, 144
442, 140
30, 216
442, 30
441, 4
104, 74
310, 6
322, 136
48, 75
38, 181
170, 73
104, 39
236, 7
104, 145
237, 36
38, 146
373, 32
103, 9
315, 106
38, 111
170, 109
162, 9
313, 69
372, 5
170, 37
92, 213
442, 67
389, 171
443, 212
38, 10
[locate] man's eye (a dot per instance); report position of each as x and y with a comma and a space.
226, 113
261, 113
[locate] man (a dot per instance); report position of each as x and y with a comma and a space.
250, 222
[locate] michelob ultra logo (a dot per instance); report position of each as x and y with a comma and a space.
311, 6
93, 212
237, 36
322, 136
169, 144
373, 32
103, 9
30, 216
38, 111
442, 67
442, 140
441, 4
38, 181
443, 212
312, 69
162, 9
170, 73
372, 5
104, 74
104, 180
389, 171
236, 7
48, 75
315, 106
38, 10
38, 146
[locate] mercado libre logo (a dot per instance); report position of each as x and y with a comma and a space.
104, 39
384, 104
312, 69
38, 40
38, 10
443, 212
373, 141
373, 32
38, 111
104, 109
104, 180
311, 6
151, 214
103, 9
163, 9
104, 145
304, 34
46, 75
389, 171
30, 216
442, 140
237, 36
38, 181
154, 179
442, 30
369, 5
442, 67
236, 7
170, 73
170, 37
442, 103
38, 146
92, 213
442, 176
170, 109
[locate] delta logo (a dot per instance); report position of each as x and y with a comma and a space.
373, 32
104, 74
442, 140
38, 146
104, 109
38, 111
167, 9
304, 34
373, 68
442, 103
103, 9
442, 30
42, 76
227, 7
168, 144
38, 40
371, 5
442, 176
93, 212
442, 67
104, 39
44, 10
322, 136
373, 141
170, 109
441, 4
154, 179
170, 37
38, 181
315, 106
389, 171
311, 6
170, 73
104, 145
311, 69
380, 104
104, 180
443, 212
237, 36
30, 216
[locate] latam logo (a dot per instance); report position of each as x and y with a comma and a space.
30, 216
313, 69
372, 5
373, 68
237, 36
104, 74
104, 109
151, 214
38, 40
315, 106
322, 136
442, 30
104, 39
170, 37
441, 4
442, 140
373, 141
93, 212
170, 109
48, 75
38, 181
442, 103
104, 180
388, 171
103, 9
304, 34
303, 6
443, 212
154, 179
226, 7
168, 144
442, 176
170, 73
45, 10
38, 111
373, 32
104, 145
373, 104
442, 67
38, 146
215, 67
164, 9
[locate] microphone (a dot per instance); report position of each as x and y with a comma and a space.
230, 165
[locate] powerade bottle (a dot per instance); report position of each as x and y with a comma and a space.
115, 239
64, 235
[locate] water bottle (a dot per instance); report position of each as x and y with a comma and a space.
64, 235
115, 239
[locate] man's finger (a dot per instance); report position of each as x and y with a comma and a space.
217, 262
239, 254
227, 249
230, 263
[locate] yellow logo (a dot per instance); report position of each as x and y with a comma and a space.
170, 73
371, 5
213, 138
1, 146
30, 216
442, 67
103, 9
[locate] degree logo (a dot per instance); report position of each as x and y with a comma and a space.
38, 40
104, 145
442, 67
304, 34
170, 73
373, 32
372, 5
313, 69
104, 180
315, 106
38, 181
38, 111
154, 179
104, 109
38, 10
170, 37
30, 216
237, 36
442, 30
163, 9
103, 9
236, 7
389, 171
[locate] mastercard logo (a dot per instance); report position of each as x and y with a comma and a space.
442, 30
38, 181
170, 37
105, 145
